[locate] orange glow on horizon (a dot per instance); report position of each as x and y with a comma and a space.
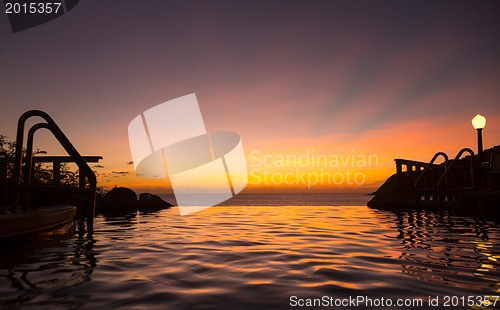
284, 165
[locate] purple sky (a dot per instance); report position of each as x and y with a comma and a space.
268, 70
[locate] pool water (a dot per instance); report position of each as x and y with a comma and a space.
255, 257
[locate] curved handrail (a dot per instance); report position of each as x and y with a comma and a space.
430, 165
29, 158
453, 163
80, 162
29, 150
65, 143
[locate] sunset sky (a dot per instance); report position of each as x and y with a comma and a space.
395, 79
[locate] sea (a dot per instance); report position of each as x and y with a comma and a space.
260, 251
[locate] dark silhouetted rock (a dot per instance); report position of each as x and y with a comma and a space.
389, 196
119, 199
149, 202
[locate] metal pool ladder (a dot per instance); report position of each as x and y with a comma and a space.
20, 192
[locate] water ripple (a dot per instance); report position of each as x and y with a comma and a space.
248, 257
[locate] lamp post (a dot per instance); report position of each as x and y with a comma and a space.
479, 122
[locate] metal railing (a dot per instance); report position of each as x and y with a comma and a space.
56, 171
406, 182
448, 194
430, 189
22, 191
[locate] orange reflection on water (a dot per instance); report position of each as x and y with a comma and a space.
318, 248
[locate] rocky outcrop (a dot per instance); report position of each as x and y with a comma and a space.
390, 197
123, 200
150, 202
120, 198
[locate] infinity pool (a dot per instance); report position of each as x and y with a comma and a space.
244, 257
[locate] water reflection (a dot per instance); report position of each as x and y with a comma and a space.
37, 273
443, 249
126, 220
229, 257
